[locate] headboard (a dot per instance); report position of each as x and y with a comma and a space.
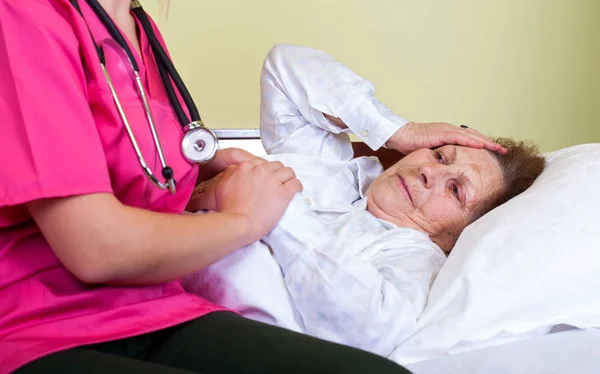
249, 139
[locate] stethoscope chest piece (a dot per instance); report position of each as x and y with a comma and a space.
199, 144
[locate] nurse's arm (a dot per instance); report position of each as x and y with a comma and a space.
100, 240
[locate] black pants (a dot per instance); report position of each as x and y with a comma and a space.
217, 343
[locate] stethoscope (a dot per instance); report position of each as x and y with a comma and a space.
199, 143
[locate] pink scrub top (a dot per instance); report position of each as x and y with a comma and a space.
60, 135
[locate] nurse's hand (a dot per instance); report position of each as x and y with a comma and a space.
257, 190
223, 159
414, 136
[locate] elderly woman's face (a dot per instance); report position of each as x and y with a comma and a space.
436, 191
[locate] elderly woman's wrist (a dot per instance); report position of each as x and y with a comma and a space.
396, 140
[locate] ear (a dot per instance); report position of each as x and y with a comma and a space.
387, 157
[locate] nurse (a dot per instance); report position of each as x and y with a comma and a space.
91, 249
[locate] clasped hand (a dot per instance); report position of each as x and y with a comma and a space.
249, 187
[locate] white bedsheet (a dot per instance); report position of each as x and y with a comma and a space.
567, 352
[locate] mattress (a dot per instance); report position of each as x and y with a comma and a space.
571, 351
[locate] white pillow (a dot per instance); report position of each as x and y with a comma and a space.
523, 268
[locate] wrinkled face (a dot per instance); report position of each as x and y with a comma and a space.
436, 191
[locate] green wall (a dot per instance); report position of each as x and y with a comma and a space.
523, 68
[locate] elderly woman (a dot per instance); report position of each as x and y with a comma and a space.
356, 251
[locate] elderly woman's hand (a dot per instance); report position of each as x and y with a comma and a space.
414, 136
203, 197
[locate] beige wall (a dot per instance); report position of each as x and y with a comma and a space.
524, 68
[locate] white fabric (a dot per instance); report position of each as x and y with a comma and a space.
569, 352
350, 277
530, 264
298, 85
248, 281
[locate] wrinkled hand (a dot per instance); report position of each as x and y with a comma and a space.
256, 189
203, 197
414, 136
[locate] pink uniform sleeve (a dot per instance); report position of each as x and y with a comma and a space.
49, 142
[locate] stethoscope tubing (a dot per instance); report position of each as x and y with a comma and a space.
199, 144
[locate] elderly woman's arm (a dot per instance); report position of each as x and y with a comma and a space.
304, 91
307, 95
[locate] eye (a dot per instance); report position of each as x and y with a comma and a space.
455, 190
439, 156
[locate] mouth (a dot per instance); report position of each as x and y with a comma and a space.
404, 188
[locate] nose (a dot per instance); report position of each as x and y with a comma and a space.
432, 172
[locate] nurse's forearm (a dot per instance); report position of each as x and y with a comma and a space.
174, 245
102, 241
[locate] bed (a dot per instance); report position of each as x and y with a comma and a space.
520, 292
574, 351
